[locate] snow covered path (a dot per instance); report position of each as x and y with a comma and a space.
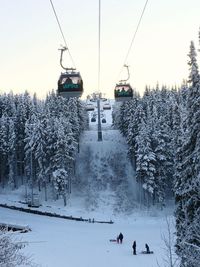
104, 174
60, 243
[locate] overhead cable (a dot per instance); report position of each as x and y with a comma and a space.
99, 47
61, 31
134, 35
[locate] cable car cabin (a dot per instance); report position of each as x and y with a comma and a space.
106, 106
123, 92
70, 84
90, 107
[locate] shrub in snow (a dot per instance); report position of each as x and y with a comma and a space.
10, 254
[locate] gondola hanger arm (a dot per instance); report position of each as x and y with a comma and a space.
125, 80
62, 49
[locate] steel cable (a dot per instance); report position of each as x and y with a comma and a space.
61, 31
134, 35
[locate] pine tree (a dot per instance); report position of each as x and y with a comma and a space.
188, 191
60, 181
163, 158
12, 164
146, 162
60, 161
135, 119
39, 137
4, 147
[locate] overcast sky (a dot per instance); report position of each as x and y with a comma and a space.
30, 38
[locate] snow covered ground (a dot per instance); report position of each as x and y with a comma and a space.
105, 190
57, 242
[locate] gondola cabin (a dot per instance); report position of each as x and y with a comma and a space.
106, 106
70, 84
123, 92
90, 107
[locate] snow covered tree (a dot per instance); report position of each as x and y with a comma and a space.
146, 163
4, 147
64, 152
23, 113
188, 189
135, 119
39, 138
124, 114
12, 164
60, 181
164, 164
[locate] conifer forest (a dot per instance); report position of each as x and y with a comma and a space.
39, 141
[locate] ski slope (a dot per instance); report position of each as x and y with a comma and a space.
104, 176
57, 242
104, 189
104, 172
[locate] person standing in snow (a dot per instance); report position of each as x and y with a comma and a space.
134, 248
120, 237
147, 249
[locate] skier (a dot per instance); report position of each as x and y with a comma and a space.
147, 249
134, 248
120, 237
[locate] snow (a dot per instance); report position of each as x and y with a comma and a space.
57, 242
54, 242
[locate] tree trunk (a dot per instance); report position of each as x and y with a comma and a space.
39, 186
45, 191
2, 172
65, 200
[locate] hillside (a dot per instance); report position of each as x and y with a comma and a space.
103, 172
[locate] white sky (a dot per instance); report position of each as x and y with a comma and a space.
30, 38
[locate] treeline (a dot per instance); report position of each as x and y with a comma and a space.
150, 125
39, 141
162, 130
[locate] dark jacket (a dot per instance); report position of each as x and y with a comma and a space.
147, 248
121, 236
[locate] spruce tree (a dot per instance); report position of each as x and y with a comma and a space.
188, 192
146, 162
